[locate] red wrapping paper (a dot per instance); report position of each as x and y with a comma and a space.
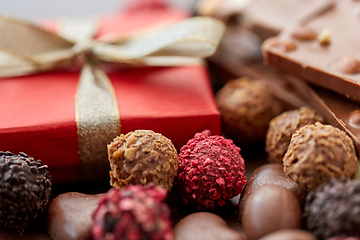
38, 111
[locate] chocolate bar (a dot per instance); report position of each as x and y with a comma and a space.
336, 109
324, 50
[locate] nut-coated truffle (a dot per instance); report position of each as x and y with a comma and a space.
211, 170
140, 157
136, 212
25, 186
283, 127
333, 209
246, 109
317, 153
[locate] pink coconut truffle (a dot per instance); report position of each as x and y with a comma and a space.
211, 170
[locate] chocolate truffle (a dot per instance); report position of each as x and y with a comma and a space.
289, 234
136, 212
283, 127
25, 186
204, 226
333, 209
318, 153
271, 173
246, 108
268, 209
140, 157
211, 170
69, 216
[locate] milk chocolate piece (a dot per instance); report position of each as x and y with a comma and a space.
271, 173
246, 109
140, 157
317, 153
289, 234
268, 209
333, 60
205, 226
283, 127
69, 216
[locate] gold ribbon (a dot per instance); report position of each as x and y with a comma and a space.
26, 49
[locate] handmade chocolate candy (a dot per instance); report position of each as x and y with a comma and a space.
332, 60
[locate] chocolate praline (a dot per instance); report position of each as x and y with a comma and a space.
333, 209
268, 209
246, 108
289, 234
318, 153
271, 173
283, 127
141, 157
205, 226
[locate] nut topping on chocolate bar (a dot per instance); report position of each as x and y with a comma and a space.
348, 65
301, 32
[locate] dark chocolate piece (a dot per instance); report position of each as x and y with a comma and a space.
332, 60
271, 173
69, 216
205, 226
268, 209
333, 209
289, 234
25, 186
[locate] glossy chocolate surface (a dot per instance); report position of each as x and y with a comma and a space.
69, 216
293, 234
268, 209
205, 226
271, 173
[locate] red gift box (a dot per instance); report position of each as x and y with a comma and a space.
38, 111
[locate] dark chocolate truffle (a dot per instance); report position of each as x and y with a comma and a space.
271, 173
268, 209
289, 234
136, 212
25, 186
283, 127
333, 209
211, 170
141, 157
204, 226
318, 153
246, 109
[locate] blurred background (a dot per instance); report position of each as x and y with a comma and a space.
40, 9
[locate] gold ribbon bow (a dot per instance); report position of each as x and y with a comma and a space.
26, 48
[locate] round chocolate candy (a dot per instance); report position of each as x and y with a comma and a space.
271, 173
283, 127
333, 209
246, 108
317, 153
289, 234
141, 157
69, 216
211, 170
268, 209
205, 226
